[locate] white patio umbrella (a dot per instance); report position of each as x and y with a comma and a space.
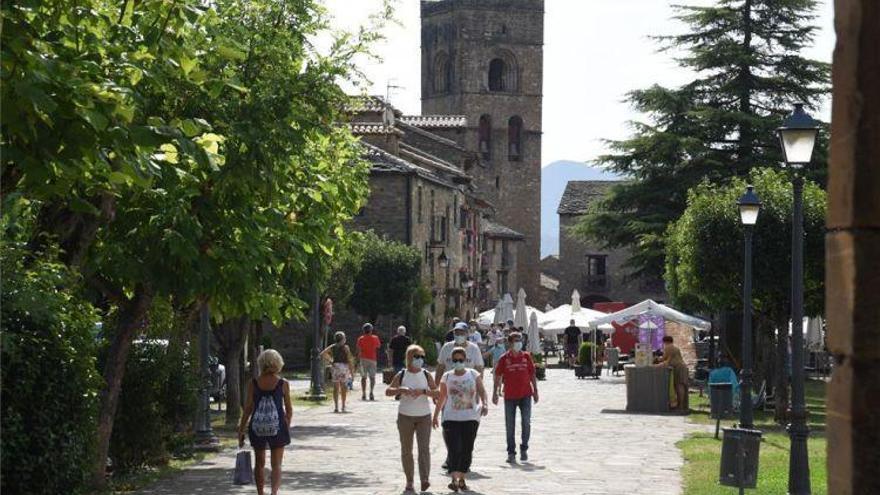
575, 301
520, 317
534, 338
496, 313
488, 317
814, 338
506, 309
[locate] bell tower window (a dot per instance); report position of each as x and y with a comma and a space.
485, 137
442, 80
498, 75
514, 138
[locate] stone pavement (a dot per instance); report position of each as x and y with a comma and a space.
582, 443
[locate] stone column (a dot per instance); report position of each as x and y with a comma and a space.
853, 252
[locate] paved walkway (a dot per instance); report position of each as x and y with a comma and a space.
582, 443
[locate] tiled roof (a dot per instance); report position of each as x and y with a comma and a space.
360, 128
435, 121
413, 152
549, 282
366, 103
579, 194
497, 230
383, 161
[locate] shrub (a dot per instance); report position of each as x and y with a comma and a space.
50, 383
159, 396
585, 356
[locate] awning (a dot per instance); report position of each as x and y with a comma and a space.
650, 307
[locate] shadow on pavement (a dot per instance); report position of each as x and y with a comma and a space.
333, 431
312, 480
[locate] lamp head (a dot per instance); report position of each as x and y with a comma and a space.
798, 137
749, 206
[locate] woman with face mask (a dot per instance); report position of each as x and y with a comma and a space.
415, 388
462, 402
343, 363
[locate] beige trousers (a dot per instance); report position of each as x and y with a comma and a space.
421, 427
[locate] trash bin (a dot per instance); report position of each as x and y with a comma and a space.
720, 400
739, 457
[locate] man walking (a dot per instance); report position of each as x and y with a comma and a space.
368, 346
516, 372
398, 347
473, 359
573, 338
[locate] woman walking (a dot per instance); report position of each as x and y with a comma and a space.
460, 390
343, 364
267, 414
415, 387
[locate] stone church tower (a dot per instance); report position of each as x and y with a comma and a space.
484, 59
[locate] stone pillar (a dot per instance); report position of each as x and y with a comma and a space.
853, 252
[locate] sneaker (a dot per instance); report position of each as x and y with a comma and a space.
511, 458
523, 456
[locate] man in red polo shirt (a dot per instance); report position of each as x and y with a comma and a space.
516, 372
368, 346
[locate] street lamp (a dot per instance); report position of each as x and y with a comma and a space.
749, 207
798, 138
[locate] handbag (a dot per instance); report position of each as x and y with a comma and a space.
244, 472
328, 374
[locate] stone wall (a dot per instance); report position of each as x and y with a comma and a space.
852, 247
471, 34
572, 269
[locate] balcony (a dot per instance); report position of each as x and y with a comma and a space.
596, 282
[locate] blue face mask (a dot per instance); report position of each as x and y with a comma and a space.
459, 339
458, 366
517, 346
418, 362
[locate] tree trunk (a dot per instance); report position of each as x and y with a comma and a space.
131, 317
231, 336
254, 345
781, 375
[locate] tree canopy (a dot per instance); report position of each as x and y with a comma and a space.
749, 72
704, 264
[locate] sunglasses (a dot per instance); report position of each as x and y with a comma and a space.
458, 360
417, 356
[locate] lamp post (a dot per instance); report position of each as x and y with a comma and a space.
798, 137
205, 438
749, 207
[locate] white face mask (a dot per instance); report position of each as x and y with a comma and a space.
418, 362
458, 366
517, 346
459, 339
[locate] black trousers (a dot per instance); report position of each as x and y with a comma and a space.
460, 437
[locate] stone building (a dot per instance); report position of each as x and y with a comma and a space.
483, 59
421, 195
599, 275
500, 257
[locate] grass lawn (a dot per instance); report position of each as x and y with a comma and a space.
702, 453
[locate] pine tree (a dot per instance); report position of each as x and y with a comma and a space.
749, 73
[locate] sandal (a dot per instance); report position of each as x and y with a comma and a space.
463, 486
409, 489
453, 486
425, 486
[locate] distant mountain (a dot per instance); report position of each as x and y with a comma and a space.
554, 177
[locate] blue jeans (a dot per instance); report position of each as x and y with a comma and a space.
525, 411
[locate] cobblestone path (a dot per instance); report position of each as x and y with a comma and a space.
582, 443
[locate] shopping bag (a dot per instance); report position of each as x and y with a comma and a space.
244, 472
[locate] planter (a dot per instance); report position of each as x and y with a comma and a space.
587, 371
540, 373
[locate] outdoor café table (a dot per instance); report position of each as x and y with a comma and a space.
647, 389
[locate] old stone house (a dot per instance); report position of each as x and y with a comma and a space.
599, 274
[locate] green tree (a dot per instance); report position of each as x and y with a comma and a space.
749, 72
388, 279
213, 172
704, 256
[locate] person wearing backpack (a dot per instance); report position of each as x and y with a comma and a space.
267, 414
415, 388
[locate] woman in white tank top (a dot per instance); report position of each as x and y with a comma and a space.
415, 388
